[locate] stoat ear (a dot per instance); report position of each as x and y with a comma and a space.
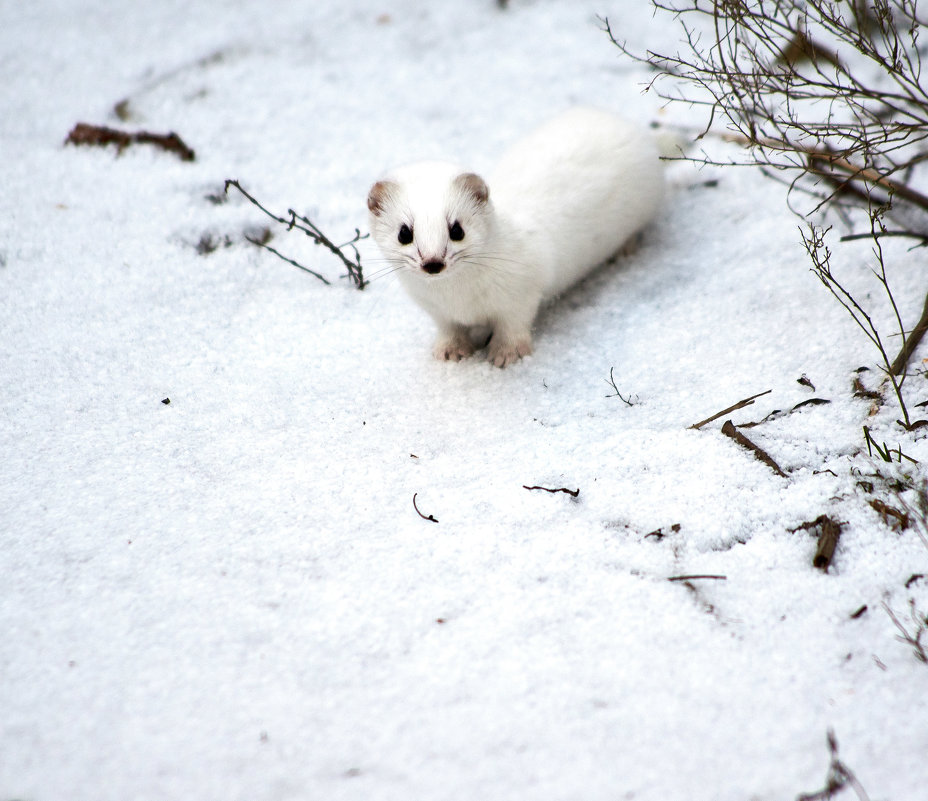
472, 184
380, 195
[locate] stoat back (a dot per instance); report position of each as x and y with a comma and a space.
583, 183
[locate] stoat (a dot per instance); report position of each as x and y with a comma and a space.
483, 254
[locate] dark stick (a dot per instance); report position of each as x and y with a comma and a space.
729, 430
911, 342
430, 518
738, 405
100, 136
170, 142
690, 578
573, 493
827, 542
883, 234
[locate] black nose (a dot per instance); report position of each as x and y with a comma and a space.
433, 267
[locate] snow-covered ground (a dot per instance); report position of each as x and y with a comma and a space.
231, 596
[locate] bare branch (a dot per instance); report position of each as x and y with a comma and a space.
301, 223
784, 78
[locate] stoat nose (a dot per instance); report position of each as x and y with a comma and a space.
433, 267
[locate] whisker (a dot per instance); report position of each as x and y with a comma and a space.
500, 264
489, 255
384, 272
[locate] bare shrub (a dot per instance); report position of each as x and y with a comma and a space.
826, 97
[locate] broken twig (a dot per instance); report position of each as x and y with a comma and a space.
729, 430
895, 518
738, 405
658, 533
827, 542
829, 531
430, 518
100, 136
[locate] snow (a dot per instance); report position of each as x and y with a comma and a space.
230, 596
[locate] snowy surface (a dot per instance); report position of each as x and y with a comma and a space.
231, 596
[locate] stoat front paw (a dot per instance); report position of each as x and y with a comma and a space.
508, 352
453, 348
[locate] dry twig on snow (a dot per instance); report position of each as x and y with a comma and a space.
301, 223
100, 136
739, 405
573, 493
839, 777
729, 430
430, 518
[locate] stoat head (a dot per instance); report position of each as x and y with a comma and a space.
430, 217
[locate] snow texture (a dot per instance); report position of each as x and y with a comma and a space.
230, 596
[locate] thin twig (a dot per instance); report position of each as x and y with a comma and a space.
700, 576
301, 223
739, 405
617, 394
430, 518
280, 255
820, 254
572, 493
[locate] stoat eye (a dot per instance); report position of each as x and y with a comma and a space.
456, 232
405, 235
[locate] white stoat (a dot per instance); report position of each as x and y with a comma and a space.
481, 254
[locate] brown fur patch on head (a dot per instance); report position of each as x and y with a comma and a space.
473, 185
380, 195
